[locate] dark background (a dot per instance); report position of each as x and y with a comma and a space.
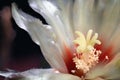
25, 54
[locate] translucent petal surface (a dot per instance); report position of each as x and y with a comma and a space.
83, 15
46, 75
44, 35
57, 15
42, 74
113, 68
65, 8
110, 20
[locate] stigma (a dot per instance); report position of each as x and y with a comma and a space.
86, 56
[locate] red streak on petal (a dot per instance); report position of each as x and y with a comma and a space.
108, 52
105, 52
70, 64
68, 59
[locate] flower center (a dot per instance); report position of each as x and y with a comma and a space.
86, 56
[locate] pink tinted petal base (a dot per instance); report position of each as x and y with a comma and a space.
69, 62
106, 52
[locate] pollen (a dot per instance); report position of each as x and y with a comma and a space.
86, 55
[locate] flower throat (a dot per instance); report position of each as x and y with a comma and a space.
85, 56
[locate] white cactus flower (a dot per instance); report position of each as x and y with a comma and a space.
68, 42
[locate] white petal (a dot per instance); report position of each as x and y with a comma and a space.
47, 75
65, 8
109, 23
21, 22
95, 72
111, 71
113, 68
43, 34
42, 74
83, 15
110, 19
57, 16
115, 39
28, 73
6, 74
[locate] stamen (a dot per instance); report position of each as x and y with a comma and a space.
106, 57
72, 71
105, 60
86, 61
86, 55
80, 64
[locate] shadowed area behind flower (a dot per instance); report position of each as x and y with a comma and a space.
17, 51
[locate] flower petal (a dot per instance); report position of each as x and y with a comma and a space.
83, 15
17, 17
110, 17
110, 23
110, 26
42, 74
46, 75
109, 71
57, 16
116, 39
44, 35
65, 8
31, 72
96, 72
113, 68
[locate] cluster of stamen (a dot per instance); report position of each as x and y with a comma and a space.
86, 55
